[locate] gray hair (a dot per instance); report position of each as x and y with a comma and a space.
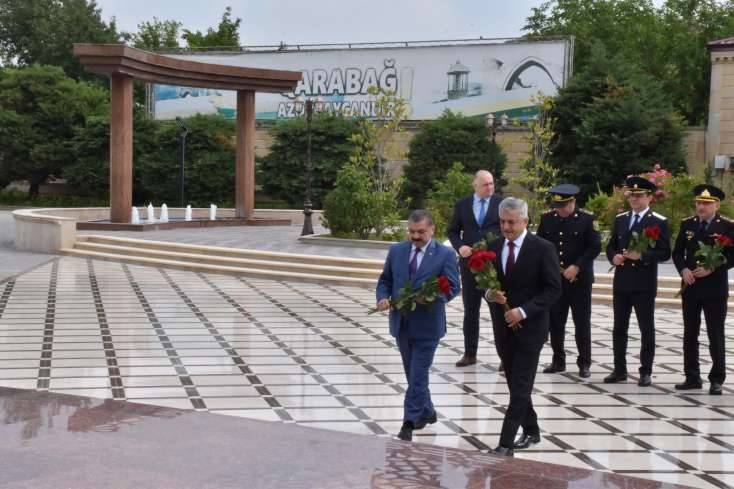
514, 204
420, 215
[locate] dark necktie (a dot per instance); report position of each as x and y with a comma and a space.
413, 265
482, 211
702, 229
635, 221
510, 258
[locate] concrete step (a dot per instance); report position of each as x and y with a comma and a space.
234, 252
237, 262
224, 269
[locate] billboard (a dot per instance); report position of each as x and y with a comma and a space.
471, 77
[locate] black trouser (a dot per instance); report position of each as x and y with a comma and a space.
521, 363
714, 311
577, 297
472, 298
643, 303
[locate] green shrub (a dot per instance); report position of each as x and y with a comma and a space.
282, 172
438, 143
442, 198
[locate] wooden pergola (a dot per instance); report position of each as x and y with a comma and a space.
124, 64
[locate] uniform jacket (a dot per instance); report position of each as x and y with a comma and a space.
437, 260
576, 241
638, 275
684, 255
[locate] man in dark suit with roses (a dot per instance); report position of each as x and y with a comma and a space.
527, 270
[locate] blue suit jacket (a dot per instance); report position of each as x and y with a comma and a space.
429, 320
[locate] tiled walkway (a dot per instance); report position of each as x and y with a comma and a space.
309, 354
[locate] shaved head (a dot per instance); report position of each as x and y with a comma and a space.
483, 184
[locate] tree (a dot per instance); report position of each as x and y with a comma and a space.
442, 198
43, 32
226, 35
537, 174
612, 121
40, 108
156, 35
282, 172
667, 43
452, 137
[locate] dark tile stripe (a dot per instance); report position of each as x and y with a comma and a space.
5, 297
44, 367
183, 376
113, 370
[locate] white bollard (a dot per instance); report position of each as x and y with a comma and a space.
188, 213
213, 212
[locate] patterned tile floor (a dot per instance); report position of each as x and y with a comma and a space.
309, 354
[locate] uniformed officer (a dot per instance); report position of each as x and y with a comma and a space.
636, 277
705, 289
577, 243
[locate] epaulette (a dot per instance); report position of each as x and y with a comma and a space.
689, 218
622, 213
548, 212
659, 216
727, 219
587, 212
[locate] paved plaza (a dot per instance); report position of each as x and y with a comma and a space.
310, 355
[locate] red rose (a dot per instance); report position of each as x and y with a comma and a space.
476, 262
491, 255
443, 285
724, 241
652, 232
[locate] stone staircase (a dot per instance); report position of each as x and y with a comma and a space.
284, 266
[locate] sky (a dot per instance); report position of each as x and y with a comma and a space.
267, 22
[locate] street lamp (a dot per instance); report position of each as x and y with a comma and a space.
307, 205
182, 135
490, 125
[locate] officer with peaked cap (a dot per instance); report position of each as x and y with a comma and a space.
636, 277
704, 289
578, 243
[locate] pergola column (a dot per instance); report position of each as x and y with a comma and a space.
245, 159
121, 148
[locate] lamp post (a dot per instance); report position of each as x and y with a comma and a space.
490, 125
182, 135
307, 205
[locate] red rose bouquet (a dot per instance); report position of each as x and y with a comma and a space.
710, 256
428, 293
485, 274
641, 242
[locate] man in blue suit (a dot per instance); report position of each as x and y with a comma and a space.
417, 333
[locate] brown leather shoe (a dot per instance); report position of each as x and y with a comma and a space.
466, 360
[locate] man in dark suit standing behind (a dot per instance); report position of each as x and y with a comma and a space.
528, 271
636, 278
706, 290
417, 333
474, 217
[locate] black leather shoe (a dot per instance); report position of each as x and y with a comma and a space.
584, 372
615, 377
645, 380
552, 369
526, 441
423, 421
689, 384
466, 360
504, 451
406, 431
715, 389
